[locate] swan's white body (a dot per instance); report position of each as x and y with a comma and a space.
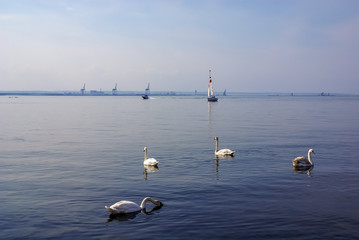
123, 207
304, 162
223, 152
149, 161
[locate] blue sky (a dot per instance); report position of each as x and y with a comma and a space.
250, 45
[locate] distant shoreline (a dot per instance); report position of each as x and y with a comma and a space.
161, 93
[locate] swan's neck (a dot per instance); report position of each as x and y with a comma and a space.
145, 154
146, 199
216, 145
310, 158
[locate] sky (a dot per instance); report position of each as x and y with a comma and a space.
250, 45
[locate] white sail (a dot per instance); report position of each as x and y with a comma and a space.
210, 87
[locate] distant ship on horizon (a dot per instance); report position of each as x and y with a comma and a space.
114, 90
147, 92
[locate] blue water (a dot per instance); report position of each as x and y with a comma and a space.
63, 158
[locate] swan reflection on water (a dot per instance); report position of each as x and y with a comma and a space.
302, 170
148, 169
121, 217
223, 158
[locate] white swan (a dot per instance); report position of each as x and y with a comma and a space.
302, 162
223, 152
123, 207
149, 161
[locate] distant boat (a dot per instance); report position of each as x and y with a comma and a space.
147, 92
114, 90
83, 89
211, 97
225, 92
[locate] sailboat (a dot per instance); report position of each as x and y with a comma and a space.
114, 90
211, 97
83, 89
147, 92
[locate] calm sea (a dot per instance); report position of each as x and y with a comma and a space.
62, 159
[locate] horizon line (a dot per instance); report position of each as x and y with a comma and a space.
163, 93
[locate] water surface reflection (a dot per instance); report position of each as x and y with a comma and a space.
302, 170
149, 169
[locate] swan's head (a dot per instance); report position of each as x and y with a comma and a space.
145, 149
216, 138
311, 151
158, 203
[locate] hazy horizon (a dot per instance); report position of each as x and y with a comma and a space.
250, 46
167, 92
